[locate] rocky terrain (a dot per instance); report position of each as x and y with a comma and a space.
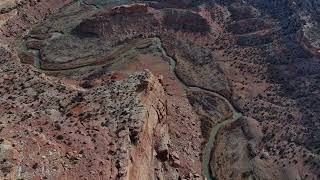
162, 89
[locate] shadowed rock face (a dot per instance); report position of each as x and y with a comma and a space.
140, 20
129, 20
185, 21
159, 4
76, 100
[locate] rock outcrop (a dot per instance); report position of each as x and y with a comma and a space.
180, 20
135, 20
55, 130
130, 9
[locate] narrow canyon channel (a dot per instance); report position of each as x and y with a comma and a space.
206, 155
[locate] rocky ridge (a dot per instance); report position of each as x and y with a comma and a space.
74, 133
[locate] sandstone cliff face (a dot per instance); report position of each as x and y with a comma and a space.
142, 157
141, 20
129, 9
135, 20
